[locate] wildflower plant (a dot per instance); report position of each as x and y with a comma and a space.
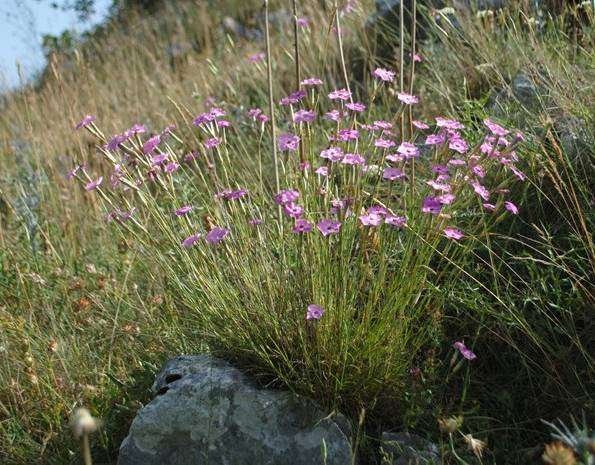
373, 221
328, 276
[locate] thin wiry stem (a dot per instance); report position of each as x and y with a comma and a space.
271, 103
86, 450
412, 69
296, 44
402, 59
340, 41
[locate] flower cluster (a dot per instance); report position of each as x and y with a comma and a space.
343, 173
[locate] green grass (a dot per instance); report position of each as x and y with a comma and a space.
517, 289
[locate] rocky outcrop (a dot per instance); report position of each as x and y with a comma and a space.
205, 411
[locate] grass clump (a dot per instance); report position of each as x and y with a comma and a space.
400, 287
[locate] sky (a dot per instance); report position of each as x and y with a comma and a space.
22, 26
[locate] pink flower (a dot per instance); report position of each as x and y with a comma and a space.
458, 145
136, 129
478, 171
384, 74
385, 125
201, 119
255, 58
480, 190
407, 99
92, 185
168, 130
257, 115
314, 312
288, 142
416, 58
511, 207
392, 174
304, 116
286, 196
439, 186
431, 205
190, 156
356, 107
85, 122
322, 171
495, 128
340, 94
395, 221
371, 219
171, 167
435, 139
353, 159
465, 352
255, 221
378, 210
229, 194
340, 204
346, 135
216, 235
328, 227
302, 226
446, 199
453, 233
293, 98
395, 157
222, 123
191, 240
456, 162
73, 172
332, 154
448, 123
408, 150
158, 159
488, 148
303, 22
119, 215
304, 165
211, 143
114, 142
293, 210
313, 81
333, 115
384, 143
489, 206
518, 173
150, 145
183, 210
440, 169
420, 124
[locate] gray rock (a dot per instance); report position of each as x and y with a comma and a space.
408, 449
575, 138
208, 412
525, 90
521, 91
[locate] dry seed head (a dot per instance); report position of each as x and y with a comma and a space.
450, 425
484, 14
557, 453
475, 445
82, 422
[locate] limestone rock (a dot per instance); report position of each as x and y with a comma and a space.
208, 412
